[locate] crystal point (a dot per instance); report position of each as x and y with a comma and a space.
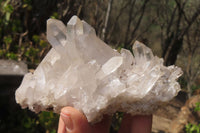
75, 25
56, 34
83, 72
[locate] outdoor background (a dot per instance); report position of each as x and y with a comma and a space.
171, 28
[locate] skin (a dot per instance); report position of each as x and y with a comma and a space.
73, 121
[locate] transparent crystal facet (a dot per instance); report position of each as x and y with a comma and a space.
82, 71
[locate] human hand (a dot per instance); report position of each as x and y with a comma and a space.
73, 121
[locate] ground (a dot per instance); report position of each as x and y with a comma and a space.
167, 113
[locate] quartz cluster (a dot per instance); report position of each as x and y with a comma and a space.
83, 72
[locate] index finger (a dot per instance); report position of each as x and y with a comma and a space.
136, 124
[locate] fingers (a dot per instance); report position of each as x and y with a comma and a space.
126, 124
103, 126
61, 126
73, 121
136, 124
141, 124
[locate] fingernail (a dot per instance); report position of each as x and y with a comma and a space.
67, 120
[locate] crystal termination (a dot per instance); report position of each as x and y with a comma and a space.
83, 72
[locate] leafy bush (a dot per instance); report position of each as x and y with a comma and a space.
192, 128
19, 41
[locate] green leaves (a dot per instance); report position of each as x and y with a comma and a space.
27, 4
36, 38
11, 55
7, 10
16, 26
116, 120
49, 120
55, 15
197, 108
7, 39
192, 128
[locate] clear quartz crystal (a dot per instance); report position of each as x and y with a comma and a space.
83, 72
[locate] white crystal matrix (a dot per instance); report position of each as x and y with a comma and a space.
83, 72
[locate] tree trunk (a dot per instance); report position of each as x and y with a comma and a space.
189, 89
104, 30
171, 49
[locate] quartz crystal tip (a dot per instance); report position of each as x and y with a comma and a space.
142, 52
84, 72
56, 34
75, 26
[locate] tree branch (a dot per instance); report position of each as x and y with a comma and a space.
194, 17
129, 22
117, 18
181, 8
107, 19
140, 19
171, 20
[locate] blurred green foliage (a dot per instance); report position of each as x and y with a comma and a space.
116, 121
20, 43
49, 120
197, 108
194, 128
195, 88
17, 43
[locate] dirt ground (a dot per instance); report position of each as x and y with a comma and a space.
166, 114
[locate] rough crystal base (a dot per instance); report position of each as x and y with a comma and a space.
83, 72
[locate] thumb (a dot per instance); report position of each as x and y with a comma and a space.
73, 121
